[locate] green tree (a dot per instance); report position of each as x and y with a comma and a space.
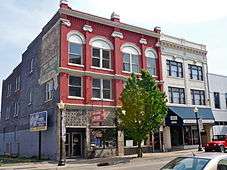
143, 108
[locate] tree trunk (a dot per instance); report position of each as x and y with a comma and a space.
139, 151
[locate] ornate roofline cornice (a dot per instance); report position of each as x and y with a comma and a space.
183, 48
108, 22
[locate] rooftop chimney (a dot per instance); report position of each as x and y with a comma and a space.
115, 17
64, 4
157, 30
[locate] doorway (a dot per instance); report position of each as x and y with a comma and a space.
73, 145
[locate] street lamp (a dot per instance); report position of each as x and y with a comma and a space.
198, 130
61, 161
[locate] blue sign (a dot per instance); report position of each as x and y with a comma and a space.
38, 121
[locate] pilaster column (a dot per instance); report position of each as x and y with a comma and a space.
118, 65
64, 90
88, 141
117, 56
143, 63
167, 138
87, 89
87, 50
120, 143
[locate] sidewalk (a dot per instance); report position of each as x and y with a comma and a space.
92, 163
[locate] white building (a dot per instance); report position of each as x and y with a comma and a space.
218, 96
186, 86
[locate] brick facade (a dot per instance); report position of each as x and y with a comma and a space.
48, 54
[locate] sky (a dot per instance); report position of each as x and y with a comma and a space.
200, 21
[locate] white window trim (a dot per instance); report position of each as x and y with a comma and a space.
101, 90
48, 92
130, 63
101, 58
155, 58
81, 55
81, 91
16, 109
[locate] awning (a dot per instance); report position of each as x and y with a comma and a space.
186, 115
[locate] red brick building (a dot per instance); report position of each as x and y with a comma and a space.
82, 60
96, 57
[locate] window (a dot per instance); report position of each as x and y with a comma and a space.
101, 52
76, 41
75, 86
187, 163
7, 116
101, 58
130, 59
31, 66
8, 89
176, 95
198, 97
151, 61
101, 89
174, 68
16, 109
196, 72
226, 100
29, 97
217, 100
17, 83
49, 90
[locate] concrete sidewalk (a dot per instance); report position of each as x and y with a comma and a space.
92, 163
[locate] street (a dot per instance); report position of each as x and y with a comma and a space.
150, 161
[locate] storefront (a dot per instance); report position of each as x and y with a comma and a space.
90, 129
181, 124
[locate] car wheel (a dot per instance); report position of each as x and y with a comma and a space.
222, 149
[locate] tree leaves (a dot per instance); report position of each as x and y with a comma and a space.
144, 105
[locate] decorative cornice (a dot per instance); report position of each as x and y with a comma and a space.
143, 41
117, 34
87, 28
108, 22
65, 22
183, 48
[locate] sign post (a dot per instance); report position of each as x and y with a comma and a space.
38, 123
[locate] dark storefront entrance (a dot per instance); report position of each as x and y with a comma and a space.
176, 136
74, 144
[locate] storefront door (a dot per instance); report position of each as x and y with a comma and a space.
176, 136
73, 145
76, 144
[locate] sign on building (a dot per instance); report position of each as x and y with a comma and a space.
38, 121
200, 124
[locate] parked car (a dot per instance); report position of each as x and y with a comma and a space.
204, 161
219, 143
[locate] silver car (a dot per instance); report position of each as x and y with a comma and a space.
203, 161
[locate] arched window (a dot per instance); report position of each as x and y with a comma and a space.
151, 58
130, 58
75, 50
101, 52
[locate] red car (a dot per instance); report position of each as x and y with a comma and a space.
219, 143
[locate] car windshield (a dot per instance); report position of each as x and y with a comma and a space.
218, 137
186, 163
